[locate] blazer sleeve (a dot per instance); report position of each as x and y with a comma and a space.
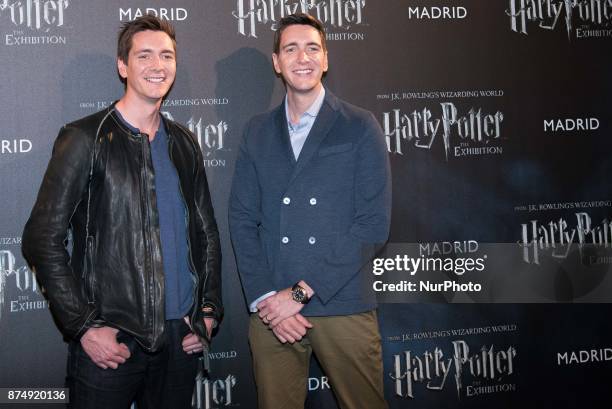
344, 259
43, 247
244, 220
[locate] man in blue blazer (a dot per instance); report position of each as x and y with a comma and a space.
310, 202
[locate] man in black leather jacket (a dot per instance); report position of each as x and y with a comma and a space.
141, 289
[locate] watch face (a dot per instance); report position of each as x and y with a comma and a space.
299, 294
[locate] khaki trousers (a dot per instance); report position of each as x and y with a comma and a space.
348, 348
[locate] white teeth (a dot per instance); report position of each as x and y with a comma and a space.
303, 71
156, 80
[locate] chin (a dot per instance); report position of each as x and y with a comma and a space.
305, 90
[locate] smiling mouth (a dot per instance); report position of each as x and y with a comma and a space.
155, 80
303, 72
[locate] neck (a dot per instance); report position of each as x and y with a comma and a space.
298, 103
141, 115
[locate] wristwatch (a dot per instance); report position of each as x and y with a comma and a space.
299, 294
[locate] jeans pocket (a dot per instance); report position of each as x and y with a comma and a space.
72, 363
127, 339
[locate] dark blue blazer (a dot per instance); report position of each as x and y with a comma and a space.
316, 219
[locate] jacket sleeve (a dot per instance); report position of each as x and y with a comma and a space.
210, 303
244, 220
344, 259
43, 241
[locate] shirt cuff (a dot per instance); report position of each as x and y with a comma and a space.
253, 306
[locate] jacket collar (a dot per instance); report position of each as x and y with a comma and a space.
129, 129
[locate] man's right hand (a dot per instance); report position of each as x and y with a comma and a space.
292, 329
102, 347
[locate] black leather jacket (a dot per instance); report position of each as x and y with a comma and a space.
99, 186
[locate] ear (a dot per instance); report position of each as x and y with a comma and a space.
325, 62
275, 62
122, 68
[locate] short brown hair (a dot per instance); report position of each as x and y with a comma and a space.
302, 19
142, 23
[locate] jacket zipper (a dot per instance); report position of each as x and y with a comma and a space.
150, 284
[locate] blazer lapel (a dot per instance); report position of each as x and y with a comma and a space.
285, 141
320, 129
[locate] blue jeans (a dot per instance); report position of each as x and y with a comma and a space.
163, 379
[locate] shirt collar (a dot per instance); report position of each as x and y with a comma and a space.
162, 125
313, 109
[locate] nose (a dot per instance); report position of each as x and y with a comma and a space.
156, 62
302, 56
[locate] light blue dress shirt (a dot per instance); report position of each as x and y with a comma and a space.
299, 132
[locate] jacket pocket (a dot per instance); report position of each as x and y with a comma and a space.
88, 269
334, 149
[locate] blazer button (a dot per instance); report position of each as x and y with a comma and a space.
312, 240
286, 200
313, 201
285, 240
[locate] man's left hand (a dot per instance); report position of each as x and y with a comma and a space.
292, 329
277, 307
191, 343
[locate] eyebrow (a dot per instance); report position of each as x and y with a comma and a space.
149, 50
294, 43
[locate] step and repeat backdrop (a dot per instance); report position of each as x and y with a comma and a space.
495, 286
